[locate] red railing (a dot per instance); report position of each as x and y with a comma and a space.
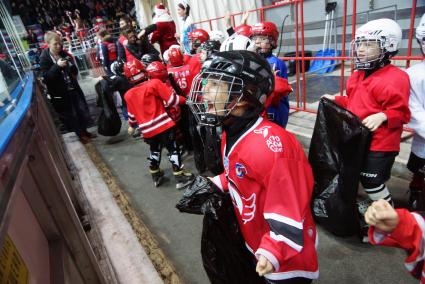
300, 88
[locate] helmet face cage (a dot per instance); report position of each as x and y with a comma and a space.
213, 97
367, 53
263, 44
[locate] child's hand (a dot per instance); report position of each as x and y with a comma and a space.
329, 97
374, 121
382, 215
264, 266
130, 130
245, 16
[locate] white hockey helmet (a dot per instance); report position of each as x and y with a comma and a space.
237, 42
386, 33
420, 33
216, 35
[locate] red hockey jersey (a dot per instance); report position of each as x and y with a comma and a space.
183, 75
408, 235
386, 90
146, 105
270, 182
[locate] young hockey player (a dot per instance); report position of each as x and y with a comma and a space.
196, 38
399, 228
416, 163
264, 36
183, 73
146, 103
378, 93
266, 171
107, 50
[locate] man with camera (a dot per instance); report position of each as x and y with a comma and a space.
60, 76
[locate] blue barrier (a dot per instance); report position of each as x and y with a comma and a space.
12, 121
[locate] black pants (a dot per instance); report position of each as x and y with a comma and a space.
184, 127
376, 168
416, 165
156, 143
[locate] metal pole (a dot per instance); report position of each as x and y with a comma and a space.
344, 34
303, 88
353, 26
412, 22
297, 73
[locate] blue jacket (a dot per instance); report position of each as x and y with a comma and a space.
279, 114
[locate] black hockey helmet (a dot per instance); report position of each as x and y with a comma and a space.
245, 73
148, 58
117, 67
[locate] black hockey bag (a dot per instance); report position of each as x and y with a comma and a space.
224, 254
109, 121
337, 151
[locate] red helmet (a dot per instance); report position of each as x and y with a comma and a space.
199, 36
157, 70
266, 29
175, 57
243, 29
135, 71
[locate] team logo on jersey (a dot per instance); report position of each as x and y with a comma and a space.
274, 144
246, 206
240, 170
226, 164
263, 130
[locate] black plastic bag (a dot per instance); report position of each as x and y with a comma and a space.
109, 121
337, 151
224, 254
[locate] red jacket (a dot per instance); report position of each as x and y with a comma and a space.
270, 182
281, 89
164, 35
146, 105
386, 90
408, 235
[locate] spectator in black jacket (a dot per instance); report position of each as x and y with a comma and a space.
134, 46
60, 76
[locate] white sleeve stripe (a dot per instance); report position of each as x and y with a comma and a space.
217, 181
283, 219
270, 257
378, 237
287, 241
421, 256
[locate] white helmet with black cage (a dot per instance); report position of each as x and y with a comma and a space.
420, 33
375, 42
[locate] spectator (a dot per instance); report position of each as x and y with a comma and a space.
136, 48
60, 76
106, 50
185, 25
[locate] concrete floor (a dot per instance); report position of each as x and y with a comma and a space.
340, 260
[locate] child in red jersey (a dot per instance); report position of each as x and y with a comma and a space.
399, 228
266, 171
378, 93
146, 105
